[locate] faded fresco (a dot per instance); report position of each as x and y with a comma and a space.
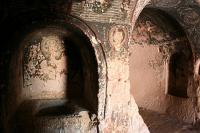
45, 68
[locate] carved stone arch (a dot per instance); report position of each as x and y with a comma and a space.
21, 23
177, 10
188, 17
101, 60
185, 13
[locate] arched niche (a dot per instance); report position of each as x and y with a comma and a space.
161, 69
64, 43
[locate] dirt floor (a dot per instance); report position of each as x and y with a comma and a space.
162, 123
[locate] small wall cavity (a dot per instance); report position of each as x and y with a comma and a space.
161, 66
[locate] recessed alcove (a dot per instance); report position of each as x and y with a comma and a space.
178, 75
161, 71
54, 78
